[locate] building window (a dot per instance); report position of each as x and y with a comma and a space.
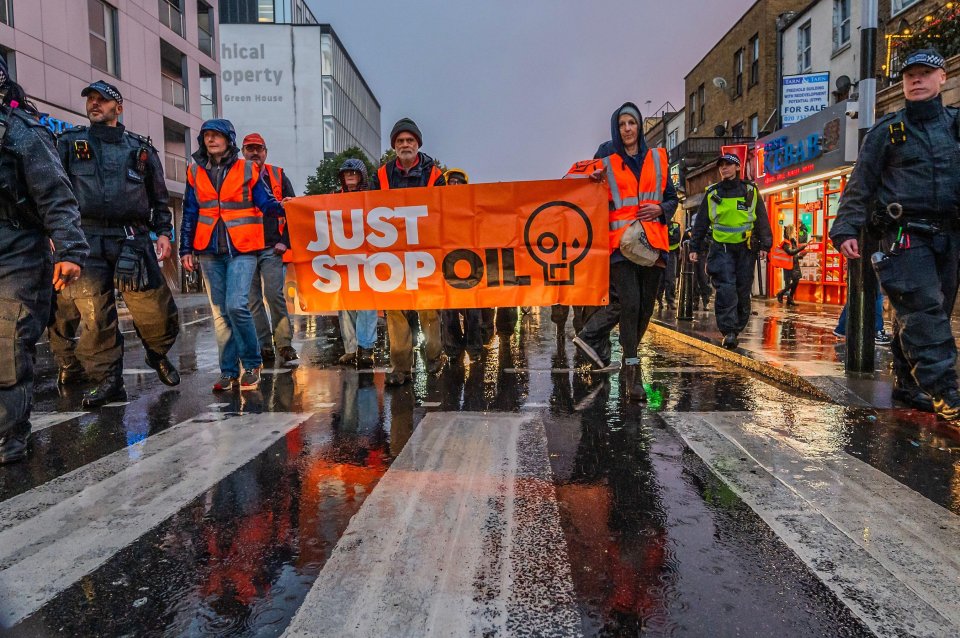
755, 60
208, 95
900, 5
693, 111
737, 130
701, 99
672, 138
738, 72
6, 12
171, 14
205, 28
804, 48
841, 23
755, 125
103, 37
265, 11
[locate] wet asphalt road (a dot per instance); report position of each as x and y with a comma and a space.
184, 512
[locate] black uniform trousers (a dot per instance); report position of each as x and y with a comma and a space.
497, 320
100, 344
633, 294
701, 280
457, 337
26, 268
731, 268
560, 313
668, 284
921, 283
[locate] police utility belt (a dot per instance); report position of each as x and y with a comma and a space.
131, 273
893, 218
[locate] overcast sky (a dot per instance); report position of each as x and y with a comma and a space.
520, 89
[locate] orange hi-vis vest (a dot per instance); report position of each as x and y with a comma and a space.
275, 177
233, 204
627, 193
384, 180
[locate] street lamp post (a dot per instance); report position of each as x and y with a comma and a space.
861, 281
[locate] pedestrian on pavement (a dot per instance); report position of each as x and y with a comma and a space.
411, 169
270, 274
466, 335
881, 338
358, 328
792, 275
639, 189
118, 179
668, 284
905, 186
222, 234
702, 291
37, 209
733, 211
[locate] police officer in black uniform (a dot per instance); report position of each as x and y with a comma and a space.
905, 187
118, 179
733, 210
37, 208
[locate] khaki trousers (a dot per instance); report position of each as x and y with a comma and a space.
401, 338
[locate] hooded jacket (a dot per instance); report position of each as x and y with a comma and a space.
414, 178
262, 194
352, 164
615, 146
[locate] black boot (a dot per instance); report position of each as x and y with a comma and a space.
13, 444
109, 390
70, 375
633, 383
912, 396
780, 297
166, 371
365, 358
730, 341
947, 406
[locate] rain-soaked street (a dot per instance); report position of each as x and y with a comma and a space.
513, 495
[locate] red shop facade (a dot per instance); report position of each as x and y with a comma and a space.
802, 170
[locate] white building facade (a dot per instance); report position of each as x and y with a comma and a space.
297, 86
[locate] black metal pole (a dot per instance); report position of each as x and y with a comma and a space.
861, 280
685, 296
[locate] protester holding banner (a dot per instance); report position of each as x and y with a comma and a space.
411, 169
358, 328
639, 190
222, 231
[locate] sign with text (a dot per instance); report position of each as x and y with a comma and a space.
803, 96
474, 246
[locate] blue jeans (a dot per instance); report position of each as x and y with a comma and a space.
878, 321
358, 327
228, 279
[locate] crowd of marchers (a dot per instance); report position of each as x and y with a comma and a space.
86, 217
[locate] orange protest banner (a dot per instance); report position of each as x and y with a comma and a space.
475, 246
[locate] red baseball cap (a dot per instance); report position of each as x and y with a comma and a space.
254, 138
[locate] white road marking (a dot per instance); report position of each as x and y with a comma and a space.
890, 555
461, 537
431, 404
276, 371
139, 371
44, 420
53, 535
116, 404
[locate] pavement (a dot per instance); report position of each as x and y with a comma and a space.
793, 345
515, 494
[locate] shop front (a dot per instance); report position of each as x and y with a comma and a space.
801, 171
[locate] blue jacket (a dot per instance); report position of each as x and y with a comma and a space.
262, 198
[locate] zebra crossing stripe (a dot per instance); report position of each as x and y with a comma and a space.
55, 534
888, 553
461, 537
43, 420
